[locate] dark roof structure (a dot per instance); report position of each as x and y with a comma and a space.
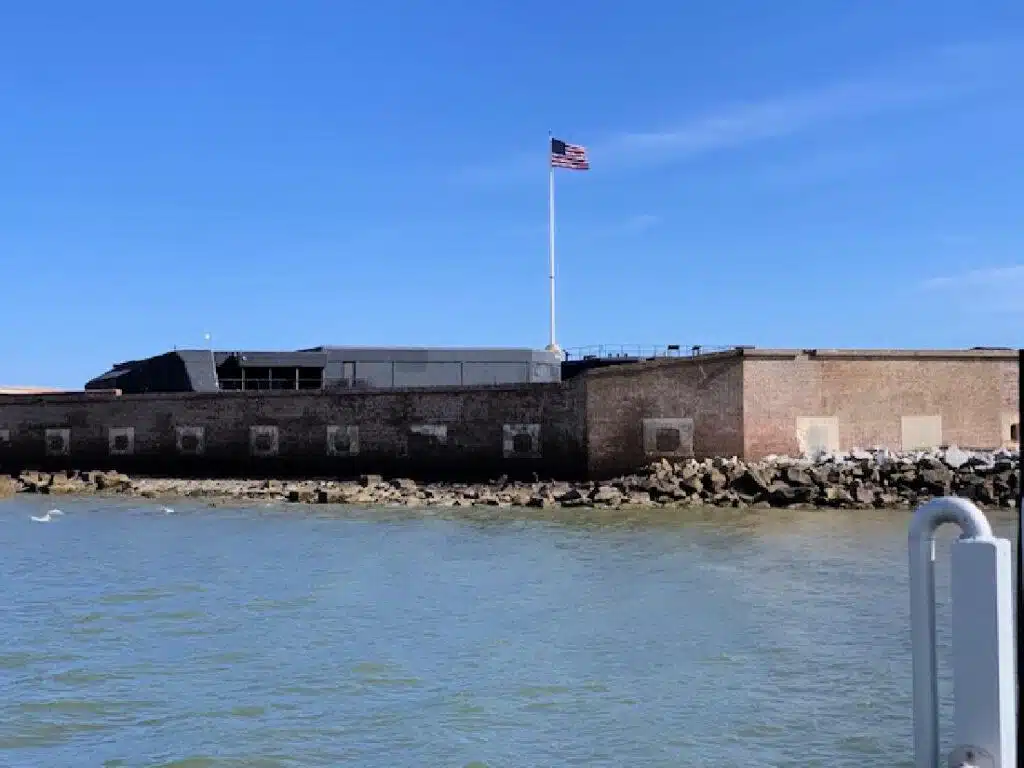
329, 367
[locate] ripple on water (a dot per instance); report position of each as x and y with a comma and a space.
88, 631
34, 734
15, 660
79, 707
379, 673
268, 604
536, 691
396, 682
239, 711
19, 659
464, 703
310, 691
191, 632
251, 711
231, 657
165, 616
86, 678
89, 618
143, 595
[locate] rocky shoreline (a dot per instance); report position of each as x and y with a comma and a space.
860, 479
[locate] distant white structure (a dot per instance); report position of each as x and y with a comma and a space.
11, 390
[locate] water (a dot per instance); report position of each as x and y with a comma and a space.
286, 636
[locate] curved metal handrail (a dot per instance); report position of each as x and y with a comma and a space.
921, 540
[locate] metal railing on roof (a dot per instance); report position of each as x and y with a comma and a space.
528, 373
643, 351
279, 383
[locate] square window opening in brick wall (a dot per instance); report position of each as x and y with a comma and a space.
668, 437
521, 441
263, 440
190, 441
667, 440
342, 440
121, 441
57, 442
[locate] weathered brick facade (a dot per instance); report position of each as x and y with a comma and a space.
707, 390
612, 420
754, 402
457, 431
884, 398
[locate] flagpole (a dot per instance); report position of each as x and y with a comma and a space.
552, 345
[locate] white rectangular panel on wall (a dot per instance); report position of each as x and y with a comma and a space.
342, 440
190, 441
920, 432
58, 442
1009, 429
520, 441
817, 434
669, 437
121, 441
263, 441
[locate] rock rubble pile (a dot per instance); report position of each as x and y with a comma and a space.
858, 479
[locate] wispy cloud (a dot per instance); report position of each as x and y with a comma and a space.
985, 290
990, 277
933, 77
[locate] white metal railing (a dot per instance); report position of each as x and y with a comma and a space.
984, 681
640, 350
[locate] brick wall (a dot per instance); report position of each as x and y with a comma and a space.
885, 399
605, 422
457, 432
708, 391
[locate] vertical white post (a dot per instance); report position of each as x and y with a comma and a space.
552, 344
922, 637
983, 679
984, 700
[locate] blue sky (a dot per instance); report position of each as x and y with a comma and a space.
794, 174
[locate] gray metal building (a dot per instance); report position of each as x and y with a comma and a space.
329, 368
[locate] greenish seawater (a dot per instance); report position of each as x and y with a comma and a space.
133, 635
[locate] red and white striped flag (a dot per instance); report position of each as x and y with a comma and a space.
571, 156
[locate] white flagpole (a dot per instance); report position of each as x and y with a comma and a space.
553, 345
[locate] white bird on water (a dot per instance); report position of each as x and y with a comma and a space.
48, 517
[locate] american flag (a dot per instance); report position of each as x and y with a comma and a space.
571, 156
